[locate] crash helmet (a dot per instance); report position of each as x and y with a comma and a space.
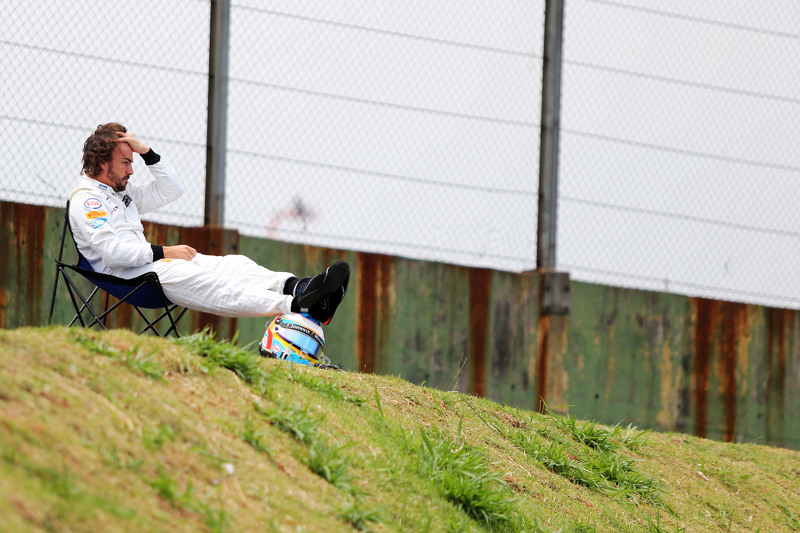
294, 337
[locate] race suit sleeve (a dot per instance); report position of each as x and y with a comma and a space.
97, 238
163, 189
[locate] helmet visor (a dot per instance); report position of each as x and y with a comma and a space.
306, 343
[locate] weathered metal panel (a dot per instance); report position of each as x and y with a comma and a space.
511, 371
480, 280
702, 366
721, 341
425, 325
781, 377
373, 277
22, 299
723, 370
629, 356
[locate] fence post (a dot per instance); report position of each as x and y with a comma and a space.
555, 285
216, 139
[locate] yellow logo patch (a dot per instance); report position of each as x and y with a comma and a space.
95, 214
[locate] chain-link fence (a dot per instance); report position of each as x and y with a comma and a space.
412, 128
404, 128
679, 160
69, 66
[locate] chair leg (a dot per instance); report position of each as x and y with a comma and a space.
101, 319
79, 311
105, 309
173, 321
59, 267
150, 325
105, 313
59, 272
73, 289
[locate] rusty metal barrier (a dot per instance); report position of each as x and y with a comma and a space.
717, 369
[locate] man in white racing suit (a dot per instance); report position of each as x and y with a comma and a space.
105, 221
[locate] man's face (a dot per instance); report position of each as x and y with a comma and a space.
120, 168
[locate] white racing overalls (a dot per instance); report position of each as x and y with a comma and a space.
109, 233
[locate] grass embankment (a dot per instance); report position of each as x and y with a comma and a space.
114, 432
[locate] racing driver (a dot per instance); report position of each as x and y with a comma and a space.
104, 218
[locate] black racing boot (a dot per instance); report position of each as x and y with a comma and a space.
309, 291
323, 310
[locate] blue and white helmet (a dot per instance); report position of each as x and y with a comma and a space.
294, 337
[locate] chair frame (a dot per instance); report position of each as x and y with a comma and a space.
143, 291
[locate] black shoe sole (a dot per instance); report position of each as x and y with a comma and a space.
335, 276
332, 301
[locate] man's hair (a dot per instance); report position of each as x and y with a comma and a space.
99, 147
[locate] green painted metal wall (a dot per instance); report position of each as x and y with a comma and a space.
722, 370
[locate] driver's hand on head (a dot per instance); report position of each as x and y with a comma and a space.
136, 145
181, 251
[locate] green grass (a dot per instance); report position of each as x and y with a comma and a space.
357, 517
330, 463
461, 474
294, 421
252, 437
107, 431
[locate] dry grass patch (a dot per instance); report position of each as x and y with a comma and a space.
108, 431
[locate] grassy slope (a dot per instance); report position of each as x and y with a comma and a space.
114, 432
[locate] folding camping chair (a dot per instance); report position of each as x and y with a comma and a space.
142, 292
